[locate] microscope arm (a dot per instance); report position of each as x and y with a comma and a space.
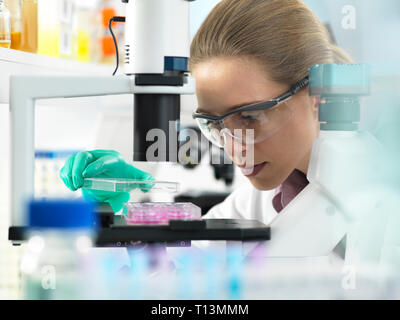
25, 90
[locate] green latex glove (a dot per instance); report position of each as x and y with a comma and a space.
100, 164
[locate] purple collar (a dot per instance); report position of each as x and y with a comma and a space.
289, 189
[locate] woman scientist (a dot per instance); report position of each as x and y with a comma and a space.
250, 59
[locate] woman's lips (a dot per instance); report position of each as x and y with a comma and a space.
253, 171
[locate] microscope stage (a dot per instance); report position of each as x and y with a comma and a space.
176, 233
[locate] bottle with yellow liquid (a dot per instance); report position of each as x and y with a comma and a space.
49, 28
14, 6
67, 29
29, 25
5, 26
86, 24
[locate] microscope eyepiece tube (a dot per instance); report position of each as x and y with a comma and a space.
156, 124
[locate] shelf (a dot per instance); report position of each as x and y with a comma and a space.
13, 62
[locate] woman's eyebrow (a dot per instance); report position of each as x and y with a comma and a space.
199, 110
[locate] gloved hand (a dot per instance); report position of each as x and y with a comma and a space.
100, 164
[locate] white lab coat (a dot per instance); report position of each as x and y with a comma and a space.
247, 202
322, 275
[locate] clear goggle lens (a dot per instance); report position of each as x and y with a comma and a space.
249, 127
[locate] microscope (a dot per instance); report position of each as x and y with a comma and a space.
156, 74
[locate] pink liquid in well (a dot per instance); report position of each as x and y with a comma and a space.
160, 213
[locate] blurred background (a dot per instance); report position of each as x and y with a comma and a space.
71, 37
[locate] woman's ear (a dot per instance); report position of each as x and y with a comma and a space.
315, 106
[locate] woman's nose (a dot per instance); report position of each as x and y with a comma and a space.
235, 149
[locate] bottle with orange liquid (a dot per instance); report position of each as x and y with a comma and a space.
5, 26
16, 28
29, 10
107, 43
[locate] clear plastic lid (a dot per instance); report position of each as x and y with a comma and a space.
128, 185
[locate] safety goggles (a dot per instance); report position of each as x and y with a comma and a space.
249, 124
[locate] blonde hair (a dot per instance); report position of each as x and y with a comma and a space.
285, 36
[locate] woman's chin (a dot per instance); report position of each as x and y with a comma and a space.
263, 184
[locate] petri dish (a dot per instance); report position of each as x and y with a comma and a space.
160, 213
127, 185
